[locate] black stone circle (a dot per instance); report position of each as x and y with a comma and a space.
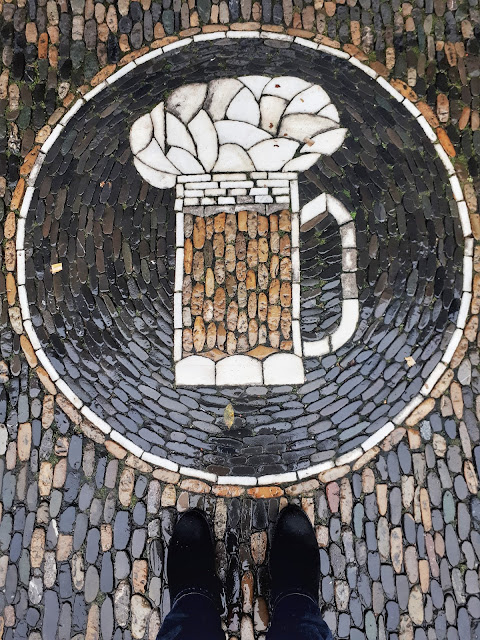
105, 321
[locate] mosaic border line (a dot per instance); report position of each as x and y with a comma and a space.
292, 476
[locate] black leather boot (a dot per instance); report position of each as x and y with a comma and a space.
294, 556
191, 558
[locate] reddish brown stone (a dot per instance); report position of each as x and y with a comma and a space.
219, 271
262, 226
188, 256
199, 334
187, 340
265, 492
198, 266
230, 259
11, 288
263, 276
263, 250
230, 228
242, 220
261, 352
445, 142
195, 486
221, 335
428, 113
139, 576
231, 343
274, 266
208, 310
286, 323
227, 490
252, 333
197, 299
252, 253
285, 269
219, 222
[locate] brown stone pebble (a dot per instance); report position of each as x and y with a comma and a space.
286, 294
218, 245
252, 333
231, 343
188, 256
285, 245
241, 271
186, 290
284, 221
221, 335
252, 224
209, 228
240, 246
286, 323
242, 220
262, 307
231, 285
252, 305
262, 224
251, 280
232, 316
230, 228
209, 283
219, 305
274, 292
242, 343
275, 242
258, 546
247, 592
230, 258
219, 222
211, 335
274, 266
286, 345
198, 232
208, 253
242, 295
262, 250
285, 269
187, 317
208, 310
219, 271
199, 334
242, 322
188, 225
252, 253
263, 276
274, 222
262, 334
198, 267
274, 339
197, 299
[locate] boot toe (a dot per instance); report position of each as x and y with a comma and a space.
193, 528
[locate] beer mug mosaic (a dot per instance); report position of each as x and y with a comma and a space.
233, 149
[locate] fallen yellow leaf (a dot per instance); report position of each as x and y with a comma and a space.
229, 415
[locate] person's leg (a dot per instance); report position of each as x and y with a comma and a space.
194, 586
298, 617
295, 574
193, 617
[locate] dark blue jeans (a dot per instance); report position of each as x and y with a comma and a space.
194, 616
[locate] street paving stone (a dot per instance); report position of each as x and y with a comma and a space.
84, 524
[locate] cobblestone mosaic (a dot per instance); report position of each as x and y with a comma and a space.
105, 319
84, 524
